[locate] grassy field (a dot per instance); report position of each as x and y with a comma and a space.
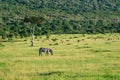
93, 57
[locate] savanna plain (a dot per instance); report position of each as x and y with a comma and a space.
76, 57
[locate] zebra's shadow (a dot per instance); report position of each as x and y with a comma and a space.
51, 73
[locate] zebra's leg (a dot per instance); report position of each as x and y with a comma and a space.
47, 53
40, 53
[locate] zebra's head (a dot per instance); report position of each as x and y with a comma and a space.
51, 51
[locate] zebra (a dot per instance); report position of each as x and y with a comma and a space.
46, 50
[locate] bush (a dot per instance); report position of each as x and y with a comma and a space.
10, 39
25, 40
56, 44
55, 39
53, 44
1, 45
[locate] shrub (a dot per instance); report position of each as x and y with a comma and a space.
75, 37
1, 45
56, 44
55, 39
53, 44
10, 39
25, 39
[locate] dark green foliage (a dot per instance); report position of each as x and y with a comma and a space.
34, 20
2, 64
1, 45
100, 50
54, 39
62, 16
53, 44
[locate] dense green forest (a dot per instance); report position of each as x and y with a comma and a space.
61, 16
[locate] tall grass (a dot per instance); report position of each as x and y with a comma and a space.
85, 60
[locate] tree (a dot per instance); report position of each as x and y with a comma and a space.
32, 23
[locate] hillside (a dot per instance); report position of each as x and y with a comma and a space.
62, 16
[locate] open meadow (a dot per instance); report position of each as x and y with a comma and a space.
76, 57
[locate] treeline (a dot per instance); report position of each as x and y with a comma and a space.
62, 16
88, 26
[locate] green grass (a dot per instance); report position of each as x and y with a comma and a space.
88, 59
